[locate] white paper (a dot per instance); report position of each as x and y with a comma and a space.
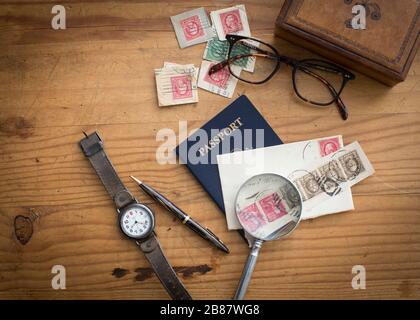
235, 168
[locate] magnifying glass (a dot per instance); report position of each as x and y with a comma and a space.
269, 207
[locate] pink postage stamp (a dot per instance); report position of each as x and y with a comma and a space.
251, 218
219, 79
273, 207
192, 28
328, 146
181, 87
231, 21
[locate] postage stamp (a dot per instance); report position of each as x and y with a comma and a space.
192, 28
251, 218
291, 197
332, 171
351, 164
231, 21
332, 175
273, 207
310, 185
217, 50
221, 82
176, 84
181, 87
219, 78
328, 146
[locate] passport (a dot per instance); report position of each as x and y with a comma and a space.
237, 127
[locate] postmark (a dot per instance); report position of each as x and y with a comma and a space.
332, 170
273, 207
240, 48
231, 21
217, 50
251, 218
192, 28
328, 146
181, 87
220, 82
329, 186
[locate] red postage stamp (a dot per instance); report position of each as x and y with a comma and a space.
181, 87
251, 218
231, 21
192, 28
273, 207
219, 78
328, 146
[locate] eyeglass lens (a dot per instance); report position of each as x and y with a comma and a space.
262, 67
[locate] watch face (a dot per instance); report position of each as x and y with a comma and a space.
137, 221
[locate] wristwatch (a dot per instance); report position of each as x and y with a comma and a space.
136, 220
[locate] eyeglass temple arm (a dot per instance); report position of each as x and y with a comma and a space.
346, 74
264, 53
342, 109
219, 66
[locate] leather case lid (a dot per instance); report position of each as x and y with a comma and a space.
389, 39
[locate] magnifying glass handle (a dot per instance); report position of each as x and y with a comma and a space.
248, 269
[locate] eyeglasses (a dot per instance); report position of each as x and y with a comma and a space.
315, 81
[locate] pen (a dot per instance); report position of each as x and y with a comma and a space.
205, 233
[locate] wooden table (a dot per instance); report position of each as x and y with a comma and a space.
98, 75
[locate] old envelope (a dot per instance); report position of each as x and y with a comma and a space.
235, 168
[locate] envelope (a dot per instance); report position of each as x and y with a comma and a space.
285, 160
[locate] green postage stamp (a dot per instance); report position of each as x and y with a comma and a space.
217, 51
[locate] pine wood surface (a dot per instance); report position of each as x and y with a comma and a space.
98, 75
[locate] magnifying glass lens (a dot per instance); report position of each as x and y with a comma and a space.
268, 204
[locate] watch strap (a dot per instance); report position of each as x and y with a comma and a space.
93, 148
166, 274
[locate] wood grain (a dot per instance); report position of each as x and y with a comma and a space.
98, 75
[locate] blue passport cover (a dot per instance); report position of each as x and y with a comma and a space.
239, 115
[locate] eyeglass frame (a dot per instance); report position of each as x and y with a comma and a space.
295, 64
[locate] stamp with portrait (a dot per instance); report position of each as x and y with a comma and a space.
231, 21
181, 87
351, 164
176, 84
273, 207
333, 171
192, 27
221, 82
328, 146
309, 183
251, 218
219, 78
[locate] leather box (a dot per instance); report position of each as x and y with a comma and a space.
383, 51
